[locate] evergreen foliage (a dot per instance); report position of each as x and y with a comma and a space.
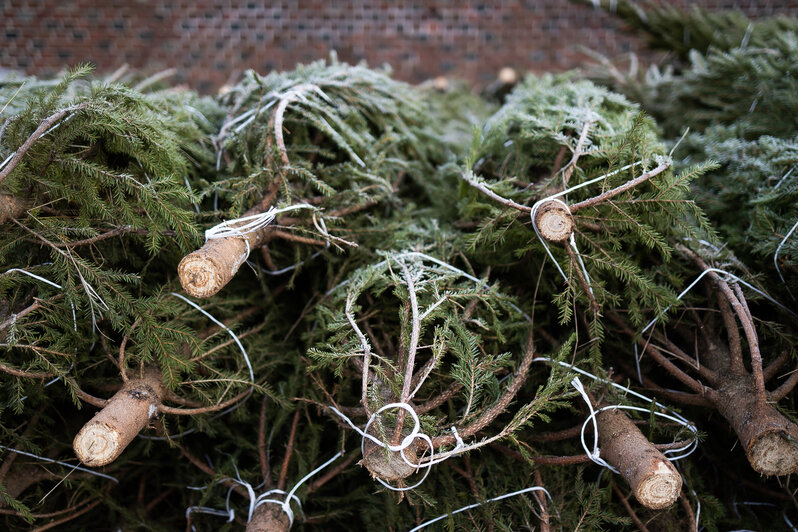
416, 269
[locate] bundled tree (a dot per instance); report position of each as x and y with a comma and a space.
353, 134
445, 339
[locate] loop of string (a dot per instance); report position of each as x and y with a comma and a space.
572, 240
286, 504
241, 227
255, 501
729, 275
476, 505
595, 453
246, 361
687, 450
407, 441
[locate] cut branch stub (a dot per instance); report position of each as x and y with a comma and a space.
11, 207
388, 465
654, 480
206, 271
106, 435
770, 440
269, 517
554, 221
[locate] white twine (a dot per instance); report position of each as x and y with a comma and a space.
230, 514
730, 275
255, 501
286, 504
674, 416
51, 283
595, 453
249, 224
776, 258
407, 441
470, 506
789, 523
453, 269
226, 328
50, 460
555, 198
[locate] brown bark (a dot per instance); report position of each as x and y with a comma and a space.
11, 207
269, 517
106, 435
654, 480
769, 439
554, 221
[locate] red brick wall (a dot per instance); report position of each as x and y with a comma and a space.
210, 41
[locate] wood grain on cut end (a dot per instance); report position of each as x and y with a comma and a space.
206, 271
388, 465
269, 517
661, 487
554, 221
654, 480
770, 440
106, 435
97, 444
774, 453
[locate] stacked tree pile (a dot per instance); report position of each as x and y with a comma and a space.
325, 299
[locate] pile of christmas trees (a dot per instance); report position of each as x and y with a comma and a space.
325, 299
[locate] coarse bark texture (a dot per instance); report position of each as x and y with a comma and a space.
206, 271
106, 435
269, 517
654, 480
554, 221
388, 465
10, 207
770, 440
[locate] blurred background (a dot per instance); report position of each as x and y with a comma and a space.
210, 42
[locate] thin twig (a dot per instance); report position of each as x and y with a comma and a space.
45, 124
543, 502
332, 473
735, 344
571, 166
264, 462
288, 451
619, 189
629, 510
205, 409
467, 177
786, 387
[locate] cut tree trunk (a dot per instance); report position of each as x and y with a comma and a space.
654, 480
106, 435
206, 271
554, 221
269, 517
770, 440
388, 465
